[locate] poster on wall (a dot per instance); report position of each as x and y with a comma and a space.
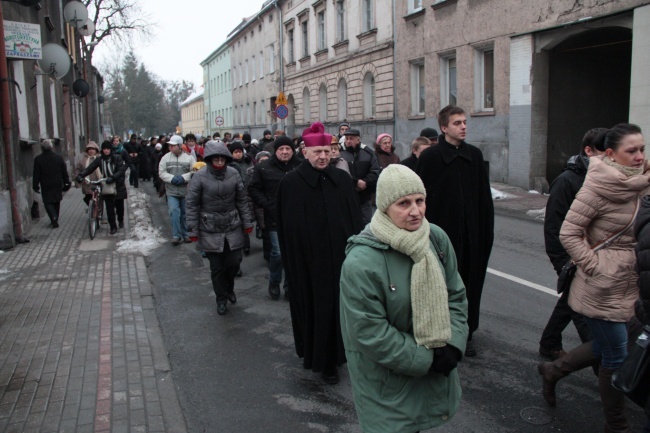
22, 40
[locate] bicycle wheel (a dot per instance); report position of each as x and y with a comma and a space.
92, 219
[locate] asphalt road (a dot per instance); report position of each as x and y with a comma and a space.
239, 372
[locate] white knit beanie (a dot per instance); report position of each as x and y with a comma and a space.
397, 181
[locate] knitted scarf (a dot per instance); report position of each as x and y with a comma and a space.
626, 170
429, 302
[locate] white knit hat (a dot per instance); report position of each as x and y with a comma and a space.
396, 181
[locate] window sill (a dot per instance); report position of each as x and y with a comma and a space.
341, 47
416, 117
483, 113
442, 4
305, 61
368, 37
321, 55
414, 14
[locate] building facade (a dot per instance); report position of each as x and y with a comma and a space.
532, 82
193, 115
217, 94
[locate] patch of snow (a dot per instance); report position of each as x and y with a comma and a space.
538, 214
499, 195
144, 238
532, 191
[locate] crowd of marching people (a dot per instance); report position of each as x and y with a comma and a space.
383, 260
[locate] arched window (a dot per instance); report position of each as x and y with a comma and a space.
369, 109
343, 99
306, 105
322, 103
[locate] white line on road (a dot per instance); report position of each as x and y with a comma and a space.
523, 282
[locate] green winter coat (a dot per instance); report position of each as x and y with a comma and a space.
392, 386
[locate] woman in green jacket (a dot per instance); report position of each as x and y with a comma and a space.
403, 313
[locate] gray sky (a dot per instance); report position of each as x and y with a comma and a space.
187, 32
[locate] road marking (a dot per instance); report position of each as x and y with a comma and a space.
523, 282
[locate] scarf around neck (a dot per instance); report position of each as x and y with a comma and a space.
625, 169
429, 299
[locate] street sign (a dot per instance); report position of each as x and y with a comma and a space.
281, 111
281, 100
219, 121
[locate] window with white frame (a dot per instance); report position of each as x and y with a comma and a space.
322, 103
304, 27
248, 113
322, 42
342, 93
246, 71
484, 79
253, 68
340, 21
243, 114
255, 112
448, 85
262, 112
21, 101
417, 88
234, 78
367, 15
306, 105
271, 59
414, 5
290, 46
369, 105
261, 64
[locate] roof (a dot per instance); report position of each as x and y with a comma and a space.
193, 97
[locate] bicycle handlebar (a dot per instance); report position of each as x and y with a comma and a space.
94, 182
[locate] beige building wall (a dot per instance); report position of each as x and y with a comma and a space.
640, 88
192, 116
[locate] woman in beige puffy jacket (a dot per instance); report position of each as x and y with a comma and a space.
604, 288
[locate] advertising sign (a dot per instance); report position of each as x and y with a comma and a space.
22, 40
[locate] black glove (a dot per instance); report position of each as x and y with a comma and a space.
79, 179
110, 180
445, 359
66, 187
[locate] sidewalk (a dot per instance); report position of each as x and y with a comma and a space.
518, 202
80, 344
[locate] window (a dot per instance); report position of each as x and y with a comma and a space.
369, 109
414, 5
484, 79
305, 38
448, 88
248, 113
261, 64
242, 113
234, 78
417, 88
255, 112
340, 20
322, 43
342, 92
322, 103
306, 104
290, 44
367, 15
246, 71
262, 112
253, 68
241, 76
271, 59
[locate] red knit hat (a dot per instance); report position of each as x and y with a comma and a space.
315, 135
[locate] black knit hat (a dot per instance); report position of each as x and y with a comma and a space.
107, 145
246, 137
267, 131
430, 133
235, 145
282, 140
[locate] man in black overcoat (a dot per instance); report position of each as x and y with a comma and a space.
459, 200
50, 178
317, 211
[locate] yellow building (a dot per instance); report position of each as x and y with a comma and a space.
192, 115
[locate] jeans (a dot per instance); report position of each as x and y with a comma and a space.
176, 206
133, 176
275, 262
610, 341
223, 269
560, 317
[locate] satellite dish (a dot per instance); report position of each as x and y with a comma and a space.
55, 60
100, 99
87, 29
75, 13
80, 88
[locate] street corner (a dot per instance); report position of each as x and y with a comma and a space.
518, 202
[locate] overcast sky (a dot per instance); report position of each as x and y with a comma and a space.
187, 32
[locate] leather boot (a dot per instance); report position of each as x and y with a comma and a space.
551, 372
613, 403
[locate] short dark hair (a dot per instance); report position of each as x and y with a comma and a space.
420, 141
134, 136
594, 139
190, 136
614, 136
216, 134
445, 113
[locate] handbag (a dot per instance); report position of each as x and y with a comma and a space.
108, 188
569, 269
633, 378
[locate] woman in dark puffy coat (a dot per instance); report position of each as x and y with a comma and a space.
642, 305
217, 216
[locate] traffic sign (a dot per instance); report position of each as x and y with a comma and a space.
282, 100
281, 111
219, 121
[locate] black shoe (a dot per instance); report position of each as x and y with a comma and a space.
274, 291
286, 295
330, 375
469, 350
239, 273
55, 224
232, 297
222, 309
552, 354
113, 231
121, 224
247, 251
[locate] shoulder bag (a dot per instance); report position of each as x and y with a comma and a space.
569, 269
633, 378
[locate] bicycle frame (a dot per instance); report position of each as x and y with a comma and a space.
95, 206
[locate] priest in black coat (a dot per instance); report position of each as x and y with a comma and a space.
317, 211
50, 178
459, 200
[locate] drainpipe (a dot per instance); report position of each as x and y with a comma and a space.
6, 137
394, 75
281, 65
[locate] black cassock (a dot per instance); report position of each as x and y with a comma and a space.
317, 211
459, 200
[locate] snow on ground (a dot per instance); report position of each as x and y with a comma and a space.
499, 195
143, 238
4, 273
538, 214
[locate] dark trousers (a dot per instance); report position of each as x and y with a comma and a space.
87, 198
114, 207
266, 245
223, 269
52, 210
133, 176
247, 242
560, 317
